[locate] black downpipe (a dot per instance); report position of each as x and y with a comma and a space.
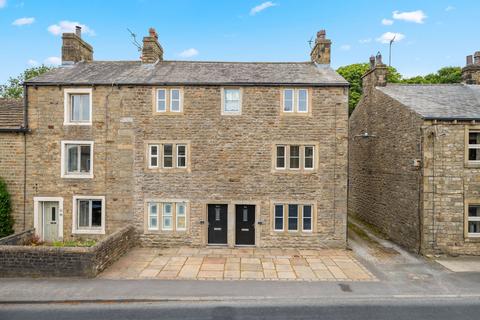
25, 130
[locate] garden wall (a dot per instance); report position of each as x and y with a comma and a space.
43, 261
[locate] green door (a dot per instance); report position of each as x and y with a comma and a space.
50, 221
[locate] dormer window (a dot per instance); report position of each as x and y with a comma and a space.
78, 106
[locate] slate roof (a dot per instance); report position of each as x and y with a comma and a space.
438, 101
191, 73
11, 114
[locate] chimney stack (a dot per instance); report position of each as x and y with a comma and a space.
377, 75
471, 72
152, 51
321, 51
74, 49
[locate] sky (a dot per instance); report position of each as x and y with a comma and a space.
429, 34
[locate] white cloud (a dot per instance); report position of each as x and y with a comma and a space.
3, 3
364, 41
449, 8
23, 21
53, 61
345, 47
387, 22
411, 16
192, 52
32, 62
262, 7
387, 36
69, 26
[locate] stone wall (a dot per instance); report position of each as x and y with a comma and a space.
41, 261
17, 239
448, 183
12, 171
384, 184
231, 158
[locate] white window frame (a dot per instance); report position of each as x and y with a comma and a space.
179, 100
311, 217
288, 216
472, 146
284, 156
177, 155
172, 208
472, 235
67, 93
293, 100
299, 156
150, 156
177, 205
75, 229
172, 155
297, 94
149, 215
63, 159
305, 157
275, 217
164, 100
223, 96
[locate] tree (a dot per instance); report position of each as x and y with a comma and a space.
353, 74
14, 87
6, 220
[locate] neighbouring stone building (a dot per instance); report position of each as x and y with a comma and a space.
414, 161
12, 155
192, 153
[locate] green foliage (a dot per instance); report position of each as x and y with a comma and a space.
13, 89
6, 220
353, 74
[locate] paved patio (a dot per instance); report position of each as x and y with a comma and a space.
238, 264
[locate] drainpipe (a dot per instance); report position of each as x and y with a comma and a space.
25, 127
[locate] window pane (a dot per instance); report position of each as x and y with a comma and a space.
167, 155
181, 156
181, 213
474, 211
83, 213
307, 217
153, 216
279, 217
474, 227
294, 157
72, 161
309, 157
154, 156
474, 154
232, 100
85, 159
161, 100
80, 107
153, 150
167, 216
474, 138
302, 100
280, 157
292, 217
288, 100
96, 213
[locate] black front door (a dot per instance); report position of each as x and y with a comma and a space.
245, 224
217, 223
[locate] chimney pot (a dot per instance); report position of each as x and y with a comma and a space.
78, 31
469, 60
321, 34
378, 59
372, 61
153, 33
476, 57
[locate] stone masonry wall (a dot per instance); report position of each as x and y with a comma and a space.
448, 184
12, 171
384, 184
18, 239
231, 158
29, 261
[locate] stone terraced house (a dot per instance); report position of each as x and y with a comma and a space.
191, 153
414, 154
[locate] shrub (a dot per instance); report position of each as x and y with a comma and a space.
6, 220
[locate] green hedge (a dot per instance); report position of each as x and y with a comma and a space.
6, 220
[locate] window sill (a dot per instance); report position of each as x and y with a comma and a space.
77, 124
472, 165
231, 113
91, 231
77, 176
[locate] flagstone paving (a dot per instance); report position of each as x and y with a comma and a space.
238, 264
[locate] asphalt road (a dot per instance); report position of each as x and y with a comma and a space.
457, 309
